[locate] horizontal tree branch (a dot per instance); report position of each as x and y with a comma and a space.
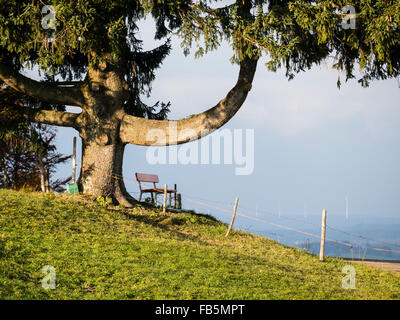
46, 92
56, 118
51, 117
147, 132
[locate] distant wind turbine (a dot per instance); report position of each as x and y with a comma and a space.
279, 209
347, 207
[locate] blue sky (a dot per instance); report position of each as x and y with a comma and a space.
314, 144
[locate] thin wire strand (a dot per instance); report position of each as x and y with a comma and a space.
351, 245
362, 237
119, 177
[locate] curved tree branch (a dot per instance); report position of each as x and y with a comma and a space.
46, 92
147, 132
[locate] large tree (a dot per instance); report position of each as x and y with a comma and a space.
94, 60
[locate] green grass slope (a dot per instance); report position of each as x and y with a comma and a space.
117, 253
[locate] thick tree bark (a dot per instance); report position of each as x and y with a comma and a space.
101, 172
99, 127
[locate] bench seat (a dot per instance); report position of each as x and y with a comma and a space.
153, 178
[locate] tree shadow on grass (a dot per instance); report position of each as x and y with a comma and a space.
170, 221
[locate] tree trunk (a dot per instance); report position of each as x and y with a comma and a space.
47, 176
101, 172
102, 148
5, 178
42, 174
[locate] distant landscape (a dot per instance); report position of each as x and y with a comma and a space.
356, 232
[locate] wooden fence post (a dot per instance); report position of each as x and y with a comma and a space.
165, 200
233, 216
74, 161
323, 232
179, 200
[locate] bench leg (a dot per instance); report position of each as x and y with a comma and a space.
176, 190
175, 206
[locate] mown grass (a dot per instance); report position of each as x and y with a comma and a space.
117, 253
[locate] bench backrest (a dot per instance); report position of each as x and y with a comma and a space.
144, 177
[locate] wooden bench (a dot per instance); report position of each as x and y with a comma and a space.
154, 191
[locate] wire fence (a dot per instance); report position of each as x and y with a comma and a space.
335, 242
219, 206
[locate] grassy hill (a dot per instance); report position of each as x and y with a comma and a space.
116, 253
